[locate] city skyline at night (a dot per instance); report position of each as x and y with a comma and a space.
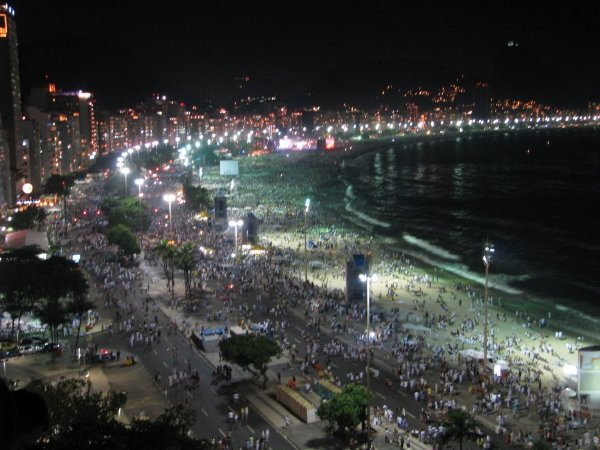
124, 52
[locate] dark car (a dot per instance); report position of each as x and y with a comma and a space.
33, 344
53, 347
9, 348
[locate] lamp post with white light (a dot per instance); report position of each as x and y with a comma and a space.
306, 206
368, 278
170, 198
140, 183
488, 253
236, 224
125, 171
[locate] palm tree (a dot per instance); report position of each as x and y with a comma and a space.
60, 185
78, 306
166, 251
459, 424
186, 261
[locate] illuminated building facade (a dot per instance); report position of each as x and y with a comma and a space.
12, 157
67, 128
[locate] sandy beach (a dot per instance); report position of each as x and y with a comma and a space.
404, 282
410, 296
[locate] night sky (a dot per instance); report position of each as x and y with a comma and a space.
196, 48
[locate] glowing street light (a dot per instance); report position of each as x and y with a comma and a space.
140, 183
125, 171
170, 198
368, 278
306, 206
488, 253
236, 224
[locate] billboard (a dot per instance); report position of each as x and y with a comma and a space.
589, 359
229, 168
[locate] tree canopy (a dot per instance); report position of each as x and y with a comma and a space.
347, 409
82, 418
459, 425
60, 185
60, 279
19, 283
186, 260
167, 251
252, 352
122, 237
28, 283
196, 197
126, 211
30, 218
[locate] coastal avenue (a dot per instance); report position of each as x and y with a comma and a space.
213, 402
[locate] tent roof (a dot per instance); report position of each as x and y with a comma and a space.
23, 238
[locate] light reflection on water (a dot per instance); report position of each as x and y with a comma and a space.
537, 202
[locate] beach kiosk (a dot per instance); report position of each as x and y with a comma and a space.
588, 377
221, 208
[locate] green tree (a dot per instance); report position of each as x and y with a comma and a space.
459, 425
196, 197
82, 418
166, 250
541, 445
252, 352
62, 280
157, 156
125, 211
20, 285
79, 305
347, 409
122, 237
186, 261
32, 218
60, 185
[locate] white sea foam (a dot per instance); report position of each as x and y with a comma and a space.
350, 197
496, 281
437, 251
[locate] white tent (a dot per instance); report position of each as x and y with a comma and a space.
315, 264
416, 328
23, 238
470, 353
501, 368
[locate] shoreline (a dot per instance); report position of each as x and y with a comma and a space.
568, 313
280, 209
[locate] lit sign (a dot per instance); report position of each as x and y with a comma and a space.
3, 26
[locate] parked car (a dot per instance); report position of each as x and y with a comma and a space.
53, 347
9, 348
33, 344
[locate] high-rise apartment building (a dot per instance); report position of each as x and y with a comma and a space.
68, 131
12, 157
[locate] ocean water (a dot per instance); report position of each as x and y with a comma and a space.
534, 194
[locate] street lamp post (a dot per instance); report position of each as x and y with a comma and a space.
125, 171
488, 253
236, 224
368, 279
170, 198
306, 206
140, 183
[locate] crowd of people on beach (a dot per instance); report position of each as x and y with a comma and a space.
427, 365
